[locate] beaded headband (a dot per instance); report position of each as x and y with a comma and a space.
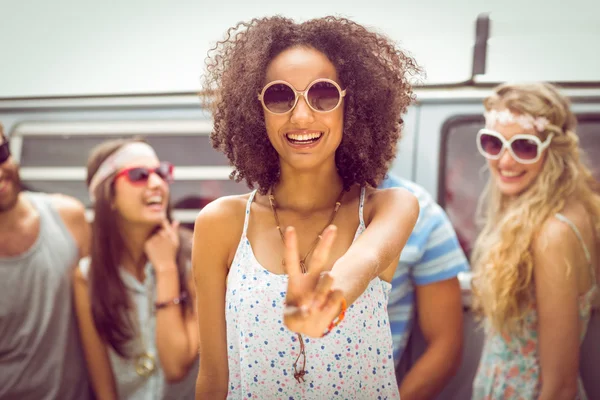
504, 117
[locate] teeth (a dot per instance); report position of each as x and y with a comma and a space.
509, 174
154, 200
304, 137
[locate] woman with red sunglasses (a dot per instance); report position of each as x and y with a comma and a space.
133, 295
537, 257
295, 276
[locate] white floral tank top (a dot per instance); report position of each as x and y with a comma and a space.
353, 362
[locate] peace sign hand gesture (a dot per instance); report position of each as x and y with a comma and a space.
311, 304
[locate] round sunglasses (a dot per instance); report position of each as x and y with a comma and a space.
524, 148
140, 175
321, 95
4, 152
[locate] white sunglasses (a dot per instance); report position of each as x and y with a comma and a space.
524, 148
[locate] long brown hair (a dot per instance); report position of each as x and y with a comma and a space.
110, 302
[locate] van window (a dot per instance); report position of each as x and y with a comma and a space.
463, 174
73, 151
53, 158
188, 194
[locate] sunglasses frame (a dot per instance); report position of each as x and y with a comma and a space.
125, 171
507, 144
303, 93
6, 146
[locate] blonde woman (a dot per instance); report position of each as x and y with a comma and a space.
537, 255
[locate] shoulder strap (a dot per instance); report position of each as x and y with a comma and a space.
361, 206
588, 256
48, 212
247, 216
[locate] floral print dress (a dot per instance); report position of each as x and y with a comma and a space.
353, 362
509, 368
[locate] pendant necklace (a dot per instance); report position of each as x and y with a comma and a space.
299, 374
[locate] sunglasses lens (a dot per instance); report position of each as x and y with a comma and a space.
4, 152
525, 149
138, 174
490, 144
279, 98
165, 171
324, 96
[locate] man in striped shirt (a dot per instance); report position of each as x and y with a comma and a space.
426, 282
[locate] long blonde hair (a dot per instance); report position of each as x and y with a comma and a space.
502, 258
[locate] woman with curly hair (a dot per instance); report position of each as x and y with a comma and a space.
308, 113
537, 256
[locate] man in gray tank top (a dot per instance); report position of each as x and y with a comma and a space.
42, 237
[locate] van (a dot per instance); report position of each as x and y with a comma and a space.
52, 136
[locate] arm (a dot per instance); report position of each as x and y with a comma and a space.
96, 355
438, 303
176, 339
390, 216
439, 307
555, 264
72, 213
176, 334
214, 231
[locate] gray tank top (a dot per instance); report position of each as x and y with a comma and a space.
40, 353
131, 386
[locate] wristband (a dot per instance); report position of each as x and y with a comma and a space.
173, 302
338, 319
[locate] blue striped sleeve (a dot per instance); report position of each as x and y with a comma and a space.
442, 257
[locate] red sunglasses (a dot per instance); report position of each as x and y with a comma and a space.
140, 175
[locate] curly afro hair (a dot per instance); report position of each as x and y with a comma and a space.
370, 67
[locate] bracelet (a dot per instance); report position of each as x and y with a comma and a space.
337, 319
173, 302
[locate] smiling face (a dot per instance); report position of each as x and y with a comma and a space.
304, 138
510, 176
141, 201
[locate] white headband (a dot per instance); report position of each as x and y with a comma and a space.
126, 154
503, 117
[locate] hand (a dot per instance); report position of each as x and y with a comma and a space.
161, 248
311, 304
